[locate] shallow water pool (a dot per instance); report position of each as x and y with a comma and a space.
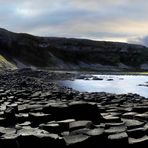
119, 85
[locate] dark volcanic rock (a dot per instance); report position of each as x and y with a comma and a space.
10, 116
38, 138
76, 140
51, 127
37, 118
131, 124
80, 124
118, 139
40, 113
137, 132
85, 111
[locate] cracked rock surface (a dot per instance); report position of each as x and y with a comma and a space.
35, 111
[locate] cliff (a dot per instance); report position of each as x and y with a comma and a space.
24, 50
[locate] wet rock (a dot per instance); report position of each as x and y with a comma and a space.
115, 129
22, 117
65, 133
64, 124
136, 132
80, 124
36, 94
129, 115
109, 125
58, 110
76, 140
97, 78
27, 123
14, 106
2, 121
110, 118
38, 138
110, 79
37, 118
95, 132
10, 118
84, 111
131, 124
142, 117
96, 136
138, 142
39, 112
79, 131
118, 139
51, 127
140, 109
9, 140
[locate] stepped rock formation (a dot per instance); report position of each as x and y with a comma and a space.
35, 111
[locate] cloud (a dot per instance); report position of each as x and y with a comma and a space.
139, 40
120, 20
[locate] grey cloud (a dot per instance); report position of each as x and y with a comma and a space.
76, 18
140, 40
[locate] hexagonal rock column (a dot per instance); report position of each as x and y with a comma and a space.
10, 117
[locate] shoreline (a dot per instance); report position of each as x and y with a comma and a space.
36, 111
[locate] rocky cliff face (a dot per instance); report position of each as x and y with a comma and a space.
23, 50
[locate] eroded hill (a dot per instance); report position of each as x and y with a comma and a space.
23, 50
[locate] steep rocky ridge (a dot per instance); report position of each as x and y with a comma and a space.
23, 50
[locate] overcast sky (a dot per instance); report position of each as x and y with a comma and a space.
115, 20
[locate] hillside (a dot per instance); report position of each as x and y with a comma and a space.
23, 50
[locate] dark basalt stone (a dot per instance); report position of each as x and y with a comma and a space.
9, 140
140, 109
43, 114
64, 124
84, 111
136, 132
51, 127
14, 106
116, 129
2, 121
37, 118
22, 117
118, 139
74, 141
59, 111
129, 115
142, 117
96, 78
131, 124
110, 118
80, 124
38, 138
10, 118
138, 142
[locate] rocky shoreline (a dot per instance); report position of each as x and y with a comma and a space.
36, 111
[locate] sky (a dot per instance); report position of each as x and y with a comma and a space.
109, 20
